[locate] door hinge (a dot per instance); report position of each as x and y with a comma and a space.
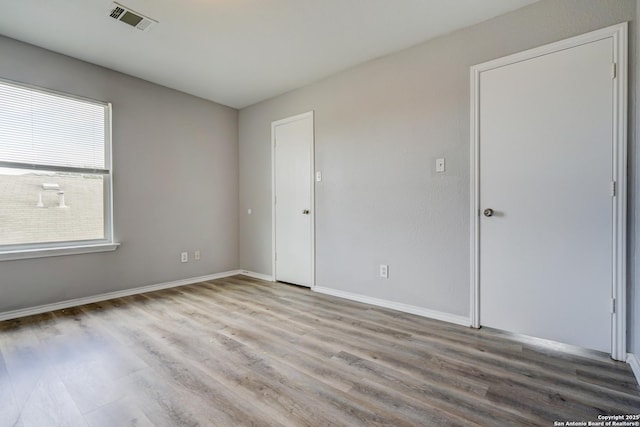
613, 305
614, 70
613, 189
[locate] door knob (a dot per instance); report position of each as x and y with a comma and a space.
488, 212
305, 212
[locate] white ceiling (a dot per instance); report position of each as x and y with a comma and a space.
239, 52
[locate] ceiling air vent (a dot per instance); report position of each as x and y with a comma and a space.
128, 16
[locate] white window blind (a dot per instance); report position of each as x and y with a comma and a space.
40, 130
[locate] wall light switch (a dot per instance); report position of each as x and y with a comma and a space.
440, 165
318, 176
249, 211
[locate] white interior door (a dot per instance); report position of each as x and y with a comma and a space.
546, 127
293, 199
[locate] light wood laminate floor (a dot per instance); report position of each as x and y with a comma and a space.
240, 351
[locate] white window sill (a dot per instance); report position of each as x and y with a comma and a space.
49, 252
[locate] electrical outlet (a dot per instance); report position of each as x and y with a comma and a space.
196, 255
384, 271
184, 257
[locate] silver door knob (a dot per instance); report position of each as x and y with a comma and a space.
488, 212
305, 212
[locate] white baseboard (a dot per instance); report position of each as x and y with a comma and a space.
406, 308
111, 295
633, 361
257, 275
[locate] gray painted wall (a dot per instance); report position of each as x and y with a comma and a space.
634, 217
379, 128
175, 184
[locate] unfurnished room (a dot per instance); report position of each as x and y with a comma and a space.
319, 213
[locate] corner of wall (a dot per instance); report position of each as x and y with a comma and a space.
634, 326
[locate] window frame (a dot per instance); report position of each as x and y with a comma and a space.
69, 247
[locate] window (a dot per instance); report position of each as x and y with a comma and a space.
55, 173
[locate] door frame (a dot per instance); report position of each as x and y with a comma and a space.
619, 203
274, 124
